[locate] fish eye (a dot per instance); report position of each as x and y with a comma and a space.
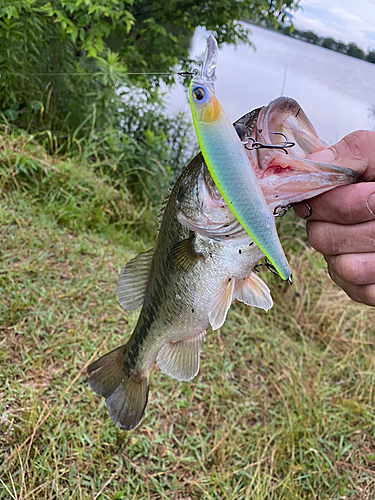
199, 93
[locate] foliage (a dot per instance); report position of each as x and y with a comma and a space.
350, 49
329, 43
68, 190
145, 161
355, 51
65, 78
340, 47
281, 410
74, 38
310, 36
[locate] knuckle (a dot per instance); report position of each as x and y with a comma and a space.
369, 295
331, 271
317, 236
343, 273
349, 268
357, 141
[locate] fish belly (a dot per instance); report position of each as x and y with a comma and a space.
222, 262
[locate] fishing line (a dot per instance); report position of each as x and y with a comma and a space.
183, 74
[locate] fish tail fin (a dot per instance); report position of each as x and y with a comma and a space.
125, 393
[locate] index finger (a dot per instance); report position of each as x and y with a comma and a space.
343, 205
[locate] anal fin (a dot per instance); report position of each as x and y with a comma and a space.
180, 360
252, 291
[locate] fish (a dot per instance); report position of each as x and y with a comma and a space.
203, 260
229, 166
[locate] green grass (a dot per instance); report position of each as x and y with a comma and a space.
283, 406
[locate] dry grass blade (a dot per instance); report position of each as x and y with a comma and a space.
108, 482
42, 418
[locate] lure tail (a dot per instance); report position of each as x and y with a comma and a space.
125, 394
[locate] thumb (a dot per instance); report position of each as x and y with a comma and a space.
355, 151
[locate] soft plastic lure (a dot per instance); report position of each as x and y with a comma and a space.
229, 165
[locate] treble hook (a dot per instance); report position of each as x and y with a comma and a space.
268, 265
270, 268
286, 143
280, 133
260, 145
280, 210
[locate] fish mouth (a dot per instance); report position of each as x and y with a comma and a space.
284, 171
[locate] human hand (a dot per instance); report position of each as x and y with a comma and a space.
342, 224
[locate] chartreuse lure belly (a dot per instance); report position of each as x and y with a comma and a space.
229, 166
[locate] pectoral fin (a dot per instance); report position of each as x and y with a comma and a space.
180, 360
252, 291
183, 254
132, 283
221, 305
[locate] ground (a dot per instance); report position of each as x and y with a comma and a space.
282, 408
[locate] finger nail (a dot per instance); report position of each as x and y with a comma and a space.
303, 210
370, 204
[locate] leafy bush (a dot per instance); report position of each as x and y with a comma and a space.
67, 71
68, 190
58, 58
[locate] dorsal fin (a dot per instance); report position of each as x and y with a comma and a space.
180, 359
253, 291
132, 283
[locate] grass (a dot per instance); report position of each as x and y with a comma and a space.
283, 406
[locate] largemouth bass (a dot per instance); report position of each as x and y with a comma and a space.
204, 260
229, 166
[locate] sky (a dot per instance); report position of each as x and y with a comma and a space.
344, 20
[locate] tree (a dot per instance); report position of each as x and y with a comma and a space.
296, 33
341, 47
371, 57
310, 36
329, 43
285, 29
355, 51
39, 38
66, 76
